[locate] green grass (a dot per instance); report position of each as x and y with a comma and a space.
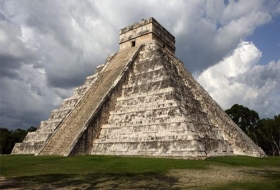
22, 165
112, 172
239, 161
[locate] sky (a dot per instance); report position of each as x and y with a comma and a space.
47, 48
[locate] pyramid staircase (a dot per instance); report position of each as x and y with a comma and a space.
34, 141
62, 141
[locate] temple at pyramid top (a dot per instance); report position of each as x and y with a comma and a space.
147, 30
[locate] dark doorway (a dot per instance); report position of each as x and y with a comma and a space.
133, 44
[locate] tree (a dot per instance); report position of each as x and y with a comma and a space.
19, 135
246, 119
31, 129
269, 134
6, 141
9, 138
264, 132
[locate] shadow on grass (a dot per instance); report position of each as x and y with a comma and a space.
271, 175
8, 183
98, 181
271, 182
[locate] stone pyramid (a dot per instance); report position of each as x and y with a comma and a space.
140, 102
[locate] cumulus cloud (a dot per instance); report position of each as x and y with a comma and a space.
218, 30
239, 79
48, 48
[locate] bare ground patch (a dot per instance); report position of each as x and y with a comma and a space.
220, 175
98, 181
176, 179
8, 184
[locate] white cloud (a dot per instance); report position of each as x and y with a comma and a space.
240, 28
67, 39
236, 9
239, 79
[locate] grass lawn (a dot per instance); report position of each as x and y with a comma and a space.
111, 172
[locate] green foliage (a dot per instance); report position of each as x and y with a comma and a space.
268, 134
6, 141
31, 129
19, 135
9, 138
264, 132
245, 118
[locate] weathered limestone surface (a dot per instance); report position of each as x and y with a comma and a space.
239, 141
64, 139
157, 115
34, 141
146, 31
142, 102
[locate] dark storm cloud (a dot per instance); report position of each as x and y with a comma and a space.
42, 36
21, 119
62, 33
20, 109
56, 19
49, 47
2, 17
9, 65
13, 52
65, 80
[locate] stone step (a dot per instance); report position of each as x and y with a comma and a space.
163, 107
59, 114
69, 102
160, 148
145, 94
145, 137
147, 82
33, 143
151, 70
80, 91
60, 143
153, 116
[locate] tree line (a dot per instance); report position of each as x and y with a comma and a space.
264, 132
8, 138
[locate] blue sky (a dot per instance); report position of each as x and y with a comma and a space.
267, 39
49, 47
